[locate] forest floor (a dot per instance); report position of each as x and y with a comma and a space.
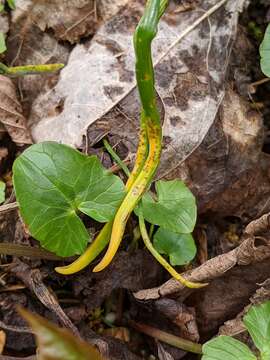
215, 108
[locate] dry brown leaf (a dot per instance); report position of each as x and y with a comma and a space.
2, 341
250, 251
27, 44
120, 333
162, 353
69, 19
190, 81
231, 149
11, 113
33, 279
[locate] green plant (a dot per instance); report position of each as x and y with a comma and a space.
265, 52
54, 182
56, 343
257, 322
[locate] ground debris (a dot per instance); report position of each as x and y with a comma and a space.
11, 115
250, 251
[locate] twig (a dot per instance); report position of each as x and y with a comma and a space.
167, 338
34, 281
244, 254
8, 207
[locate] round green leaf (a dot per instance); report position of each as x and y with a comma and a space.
257, 321
52, 182
226, 348
265, 52
180, 248
175, 208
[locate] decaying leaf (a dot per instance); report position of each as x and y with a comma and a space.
230, 152
2, 340
11, 113
58, 344
235, 326
190, 80
69, 19
27, 44
250, 251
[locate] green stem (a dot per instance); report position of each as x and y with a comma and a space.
29, 69
160, 258
167, 338
143, 37
116, 158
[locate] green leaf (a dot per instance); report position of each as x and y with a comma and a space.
257, 321
180, 248
52, 182
11, 4
175, 208
226, 348
2, 192
2, 7
57, 344
265, 52
3, 47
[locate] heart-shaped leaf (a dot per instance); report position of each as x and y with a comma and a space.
52, 182
175, 208
257, 321
226, 348
58, 344
180, 248
265, 52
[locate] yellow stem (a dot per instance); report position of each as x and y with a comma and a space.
162, 261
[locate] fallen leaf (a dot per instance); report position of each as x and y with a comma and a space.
33, 280
162, 353
248, 252
120, 333
57, 344
221, 171
2, 341
11, 113
69, 19
193, 92
27, 44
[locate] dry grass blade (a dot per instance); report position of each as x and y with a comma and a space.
11, 113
